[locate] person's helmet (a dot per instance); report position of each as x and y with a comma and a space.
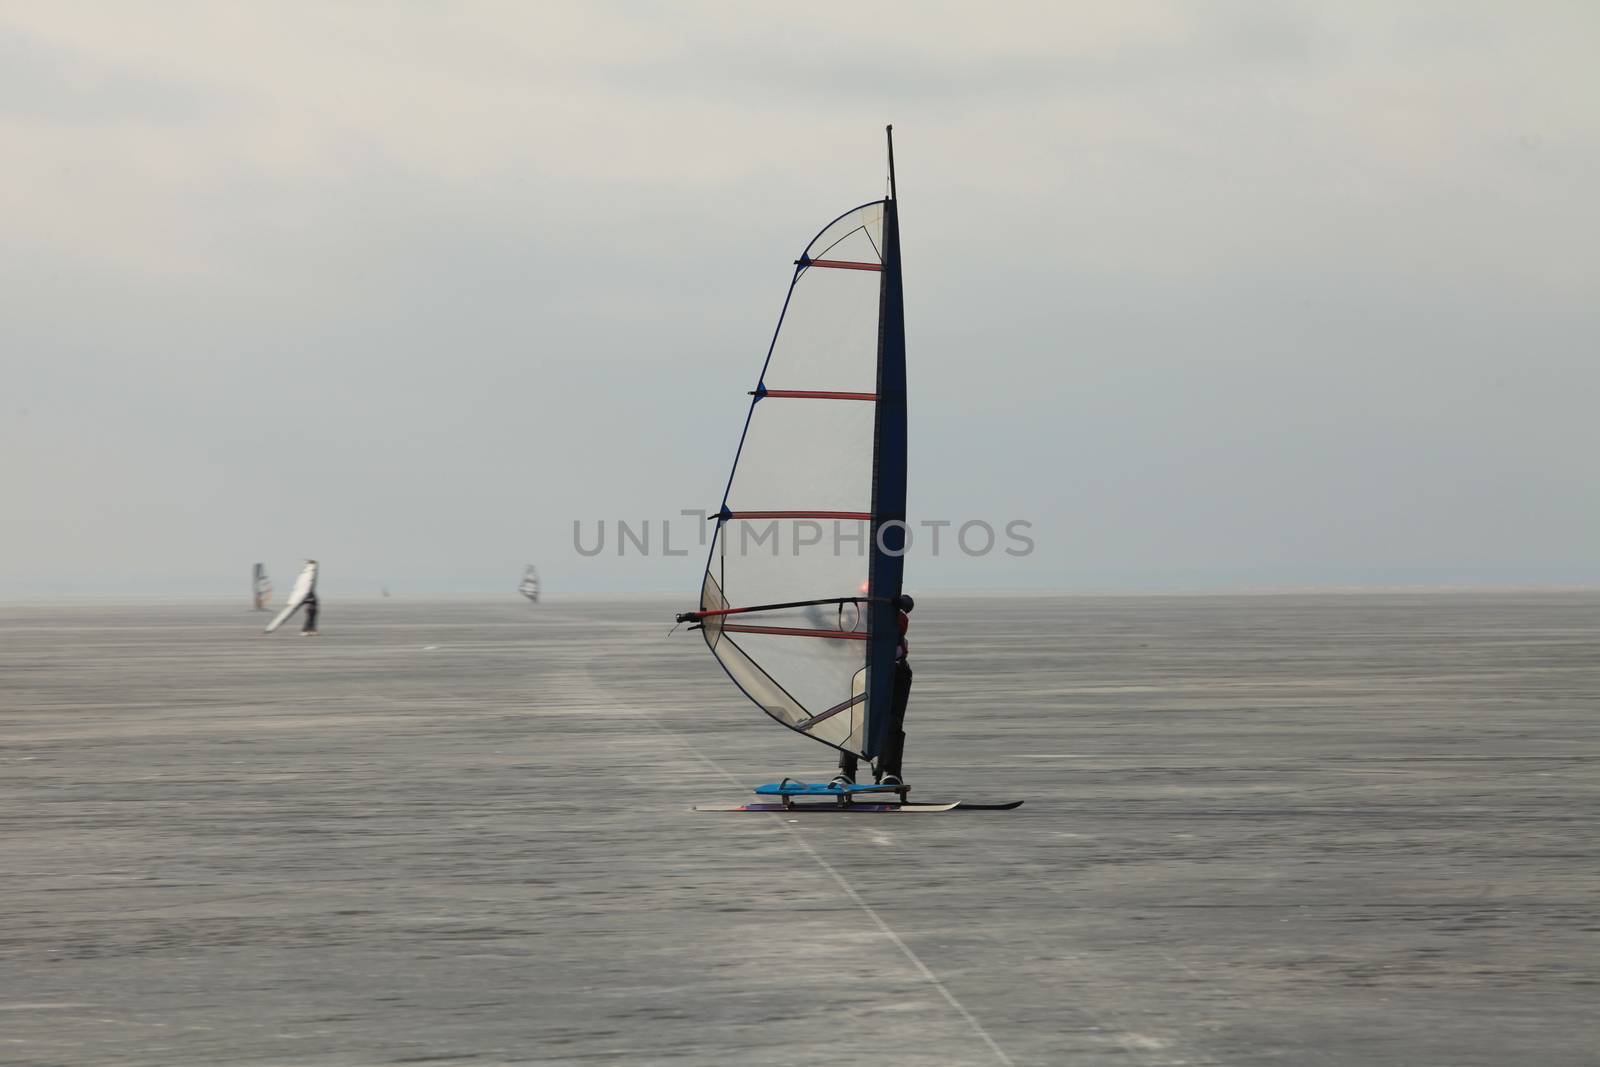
904, 602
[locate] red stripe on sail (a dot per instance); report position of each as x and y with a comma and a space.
793, 631
865, 516
813, 394
842, 264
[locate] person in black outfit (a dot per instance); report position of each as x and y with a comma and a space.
888, 769
310, 626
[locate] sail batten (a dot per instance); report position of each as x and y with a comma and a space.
856, 515
793, 631
843, 705
840, 264
813, 394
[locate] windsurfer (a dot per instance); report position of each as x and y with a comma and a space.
888, 769
304, 595
310, 626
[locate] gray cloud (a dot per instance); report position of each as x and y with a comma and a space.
44, 82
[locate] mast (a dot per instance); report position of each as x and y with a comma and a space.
889, 133
886, 567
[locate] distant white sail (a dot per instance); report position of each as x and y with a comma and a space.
260, 587
530, 583
304, 586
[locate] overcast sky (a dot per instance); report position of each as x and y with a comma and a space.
1215, 295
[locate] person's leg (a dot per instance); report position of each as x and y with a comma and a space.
847, 769
894, 751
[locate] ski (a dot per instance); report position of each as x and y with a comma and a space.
847, 809
967, 805
909, 808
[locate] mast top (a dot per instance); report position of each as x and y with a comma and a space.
889, 133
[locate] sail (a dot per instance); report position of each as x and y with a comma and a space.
530, 583
797, 602
260, 587
304, 586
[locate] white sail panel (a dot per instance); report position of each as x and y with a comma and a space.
805, 454
779, 561
808, 697
856, 235
829, 336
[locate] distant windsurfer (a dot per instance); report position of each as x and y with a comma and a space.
888, 769
261, 587
304, 595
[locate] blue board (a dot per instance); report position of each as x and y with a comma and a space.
791, 788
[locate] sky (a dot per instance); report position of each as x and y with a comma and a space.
1214, 296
